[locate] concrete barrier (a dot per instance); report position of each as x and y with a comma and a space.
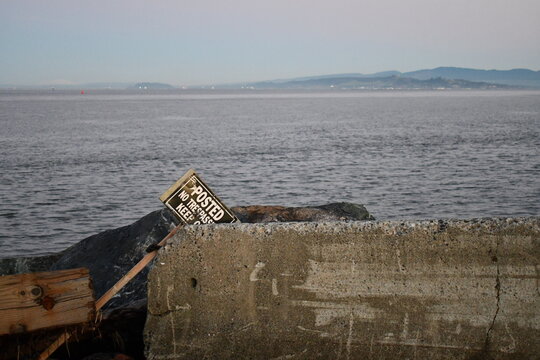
356, 290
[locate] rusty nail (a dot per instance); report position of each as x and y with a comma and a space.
48, 302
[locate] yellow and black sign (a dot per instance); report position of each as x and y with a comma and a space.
192, 201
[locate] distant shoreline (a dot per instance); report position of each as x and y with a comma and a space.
445, 77
88, 91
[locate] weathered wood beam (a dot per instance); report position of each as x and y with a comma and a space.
42, 300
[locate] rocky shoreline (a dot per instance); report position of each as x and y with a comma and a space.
110, 254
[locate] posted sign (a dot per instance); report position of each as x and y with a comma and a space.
192, 201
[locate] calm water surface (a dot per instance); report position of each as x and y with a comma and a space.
73, 165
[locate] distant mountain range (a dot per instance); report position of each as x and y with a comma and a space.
389, 82
441, 77
514, 77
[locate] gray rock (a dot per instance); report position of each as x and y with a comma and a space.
109, 255
21, 265
340, 211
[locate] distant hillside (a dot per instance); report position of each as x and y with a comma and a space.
446, 77
152, 85
388, 82
441, 77
517, 77
335, 76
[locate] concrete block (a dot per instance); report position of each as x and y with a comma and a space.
460, 289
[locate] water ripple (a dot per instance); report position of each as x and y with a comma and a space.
73, 166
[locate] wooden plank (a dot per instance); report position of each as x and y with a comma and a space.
150, 256
135, 270
112, 291
41, 300
167, 194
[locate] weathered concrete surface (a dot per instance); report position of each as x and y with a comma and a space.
357, 290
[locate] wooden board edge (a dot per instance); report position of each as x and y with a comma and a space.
44, 275
167, 194
55, 284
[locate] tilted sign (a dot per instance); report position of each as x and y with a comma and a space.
192, 201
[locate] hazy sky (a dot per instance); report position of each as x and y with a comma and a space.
203, 41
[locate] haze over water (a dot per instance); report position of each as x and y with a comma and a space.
74, 165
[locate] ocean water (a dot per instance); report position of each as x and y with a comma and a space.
73, 165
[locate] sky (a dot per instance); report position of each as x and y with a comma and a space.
214, 41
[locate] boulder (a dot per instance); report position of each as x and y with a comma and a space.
340, 211
108, 255
22, 265
111, 253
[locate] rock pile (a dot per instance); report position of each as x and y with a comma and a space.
112, 253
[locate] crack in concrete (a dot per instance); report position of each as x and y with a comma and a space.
537, 269
349, 338
172, 310
498, 294
161, 314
